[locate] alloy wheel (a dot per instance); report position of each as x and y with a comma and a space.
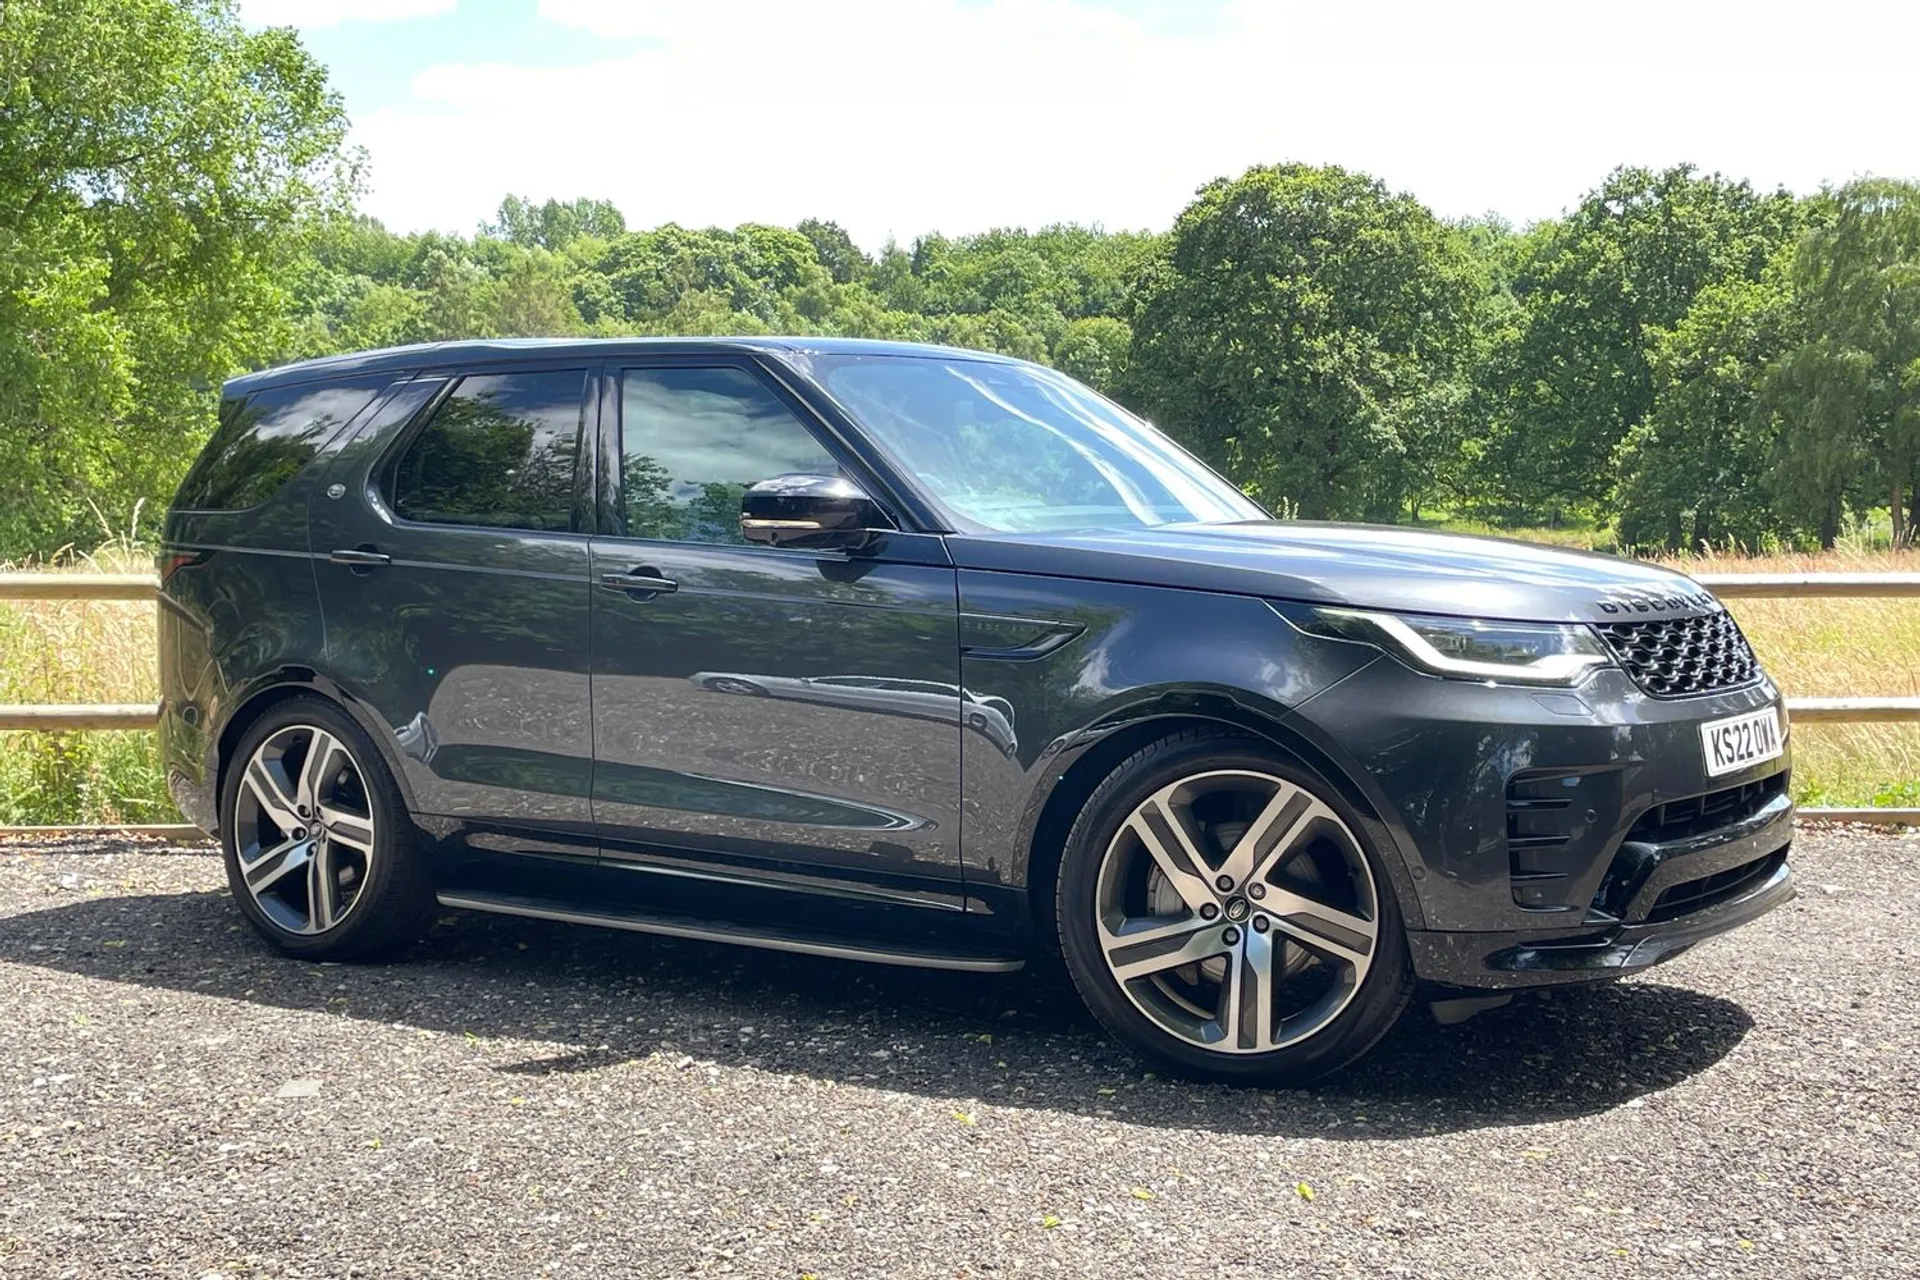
304, 829
1237, 911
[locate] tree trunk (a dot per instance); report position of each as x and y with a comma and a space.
1829, 528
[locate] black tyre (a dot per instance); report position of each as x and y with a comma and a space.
1223, 911
319, 850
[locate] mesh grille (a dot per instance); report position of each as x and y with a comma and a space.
1676, 657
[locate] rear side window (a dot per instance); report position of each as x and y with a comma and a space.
265, 438
500, 451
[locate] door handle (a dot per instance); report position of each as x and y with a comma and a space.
642, 582
363, 556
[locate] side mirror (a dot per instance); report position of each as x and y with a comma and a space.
808, 511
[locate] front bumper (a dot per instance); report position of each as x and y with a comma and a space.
1689, 891
1557, 836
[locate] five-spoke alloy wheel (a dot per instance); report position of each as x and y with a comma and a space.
304, 829
1222, 910
317, 848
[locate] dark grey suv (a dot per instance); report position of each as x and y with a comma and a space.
932, 658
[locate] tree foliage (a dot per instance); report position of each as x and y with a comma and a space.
157, 164
1594, 288
1680, 355
1312, 334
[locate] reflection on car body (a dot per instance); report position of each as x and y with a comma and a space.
985, 714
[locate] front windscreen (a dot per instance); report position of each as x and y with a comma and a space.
1015, 448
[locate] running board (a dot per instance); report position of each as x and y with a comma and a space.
741, 935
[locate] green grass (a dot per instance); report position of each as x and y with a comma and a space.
103, 651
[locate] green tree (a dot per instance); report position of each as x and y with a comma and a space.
530, 298
1698, 471
158, 167
1310, 333
1095, 350
553, 225
836, 250
1576, 377
1857, 380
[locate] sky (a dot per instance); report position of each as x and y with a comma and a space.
899, 117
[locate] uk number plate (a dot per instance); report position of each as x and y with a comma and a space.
1740, 741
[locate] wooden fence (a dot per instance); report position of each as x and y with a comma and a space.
1727, 586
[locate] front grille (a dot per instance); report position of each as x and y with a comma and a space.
1722, 886
1679, 657
1697, 815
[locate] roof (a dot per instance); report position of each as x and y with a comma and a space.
439, 355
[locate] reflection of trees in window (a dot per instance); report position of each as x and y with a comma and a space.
711, 515
695, 441
499, 452
263, 441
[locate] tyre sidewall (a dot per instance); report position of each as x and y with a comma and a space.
1383, 993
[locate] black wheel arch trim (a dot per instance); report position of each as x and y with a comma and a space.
261, 693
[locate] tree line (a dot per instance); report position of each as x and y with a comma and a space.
1680, 357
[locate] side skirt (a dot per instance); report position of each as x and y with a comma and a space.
771, 939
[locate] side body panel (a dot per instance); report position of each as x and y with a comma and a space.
1077, 660
778, 733
725, 735
238, 610
471, 648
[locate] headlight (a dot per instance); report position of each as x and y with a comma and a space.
1467, 648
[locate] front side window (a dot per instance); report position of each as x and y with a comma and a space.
1015, 448
694, 440
265, 438
500, 452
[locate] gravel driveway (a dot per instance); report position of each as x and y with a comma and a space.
521, 1099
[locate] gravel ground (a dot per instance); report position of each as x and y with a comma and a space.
521, 1099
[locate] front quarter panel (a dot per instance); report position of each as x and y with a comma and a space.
1076, 659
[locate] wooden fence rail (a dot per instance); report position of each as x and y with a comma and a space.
1727, 586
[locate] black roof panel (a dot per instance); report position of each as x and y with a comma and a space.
440, 355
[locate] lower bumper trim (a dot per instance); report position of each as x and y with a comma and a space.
1499, 961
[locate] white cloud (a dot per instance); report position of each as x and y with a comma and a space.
902, 116
327, 13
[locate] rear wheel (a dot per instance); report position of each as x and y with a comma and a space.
1222, 911
319, 853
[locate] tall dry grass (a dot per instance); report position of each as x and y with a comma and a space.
80, 651
103, 651
1837, 648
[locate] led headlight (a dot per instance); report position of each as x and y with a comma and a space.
1467, 648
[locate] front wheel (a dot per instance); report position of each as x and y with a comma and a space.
319, 853
1222, 911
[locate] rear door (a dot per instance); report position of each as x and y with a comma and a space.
780, 722
452, 558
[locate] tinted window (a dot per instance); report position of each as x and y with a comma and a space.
264, 439
499, 451
694, 440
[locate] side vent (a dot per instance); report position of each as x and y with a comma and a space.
1554, 834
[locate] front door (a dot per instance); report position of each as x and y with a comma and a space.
768, 722
452, 561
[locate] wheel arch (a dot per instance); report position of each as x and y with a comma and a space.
1101, 748
280, 686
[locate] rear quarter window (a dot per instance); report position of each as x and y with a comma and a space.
265, 438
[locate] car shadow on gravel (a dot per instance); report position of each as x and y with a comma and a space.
592, 999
